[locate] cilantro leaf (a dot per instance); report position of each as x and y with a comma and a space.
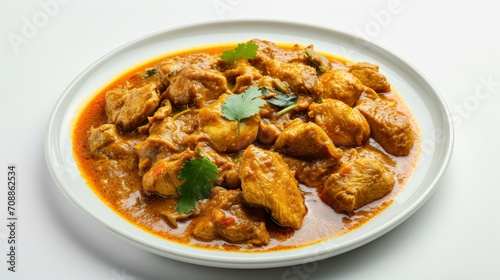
243, 50
280, 99
241, 106
198, 174
149, 73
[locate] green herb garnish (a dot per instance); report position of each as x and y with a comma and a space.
248, 50
149, 73
198, 173
241, 106
287, 109
315, 61
288, 102
279, 99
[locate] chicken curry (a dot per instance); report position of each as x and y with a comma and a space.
262, 147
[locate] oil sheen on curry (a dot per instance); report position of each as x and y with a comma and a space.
251, 147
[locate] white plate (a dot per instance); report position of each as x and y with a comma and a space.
420, 95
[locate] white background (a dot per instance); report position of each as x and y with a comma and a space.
455, 235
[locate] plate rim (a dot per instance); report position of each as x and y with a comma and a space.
263, 262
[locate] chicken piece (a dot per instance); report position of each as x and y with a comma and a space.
341, 85
162, 112
306, 140
162, 178
143, 77
227, 216
166, 137
369, 94
320, 62
344, 125
128, 108
222, 133
195, 84
300, 78
242, 75
232, 176
224, 162
368, 151
155, 148
268, 132
107, 142
312, 173
269, 50
357, 183
167, 68
389, 127
238, 222
267, 181
273, 84
302, 104
204, 229
169, 211
370, 76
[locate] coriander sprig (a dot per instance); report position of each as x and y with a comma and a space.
198, 173
237, 107
248, 50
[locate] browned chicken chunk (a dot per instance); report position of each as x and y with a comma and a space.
162, 112
369, 151
242, 75
225, 165
389, 127
300, 78
106, 142
357, 183
169, 211
306, 140
222, 133
273, 84
227, 216
344, 125
269, 50
312, 173
167, 68
341, 85
128, 108
268, 132
195, 84
158, 145
370, 76
318, 61
162, 178
267, 181
166, 137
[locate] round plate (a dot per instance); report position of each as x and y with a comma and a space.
420, 95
